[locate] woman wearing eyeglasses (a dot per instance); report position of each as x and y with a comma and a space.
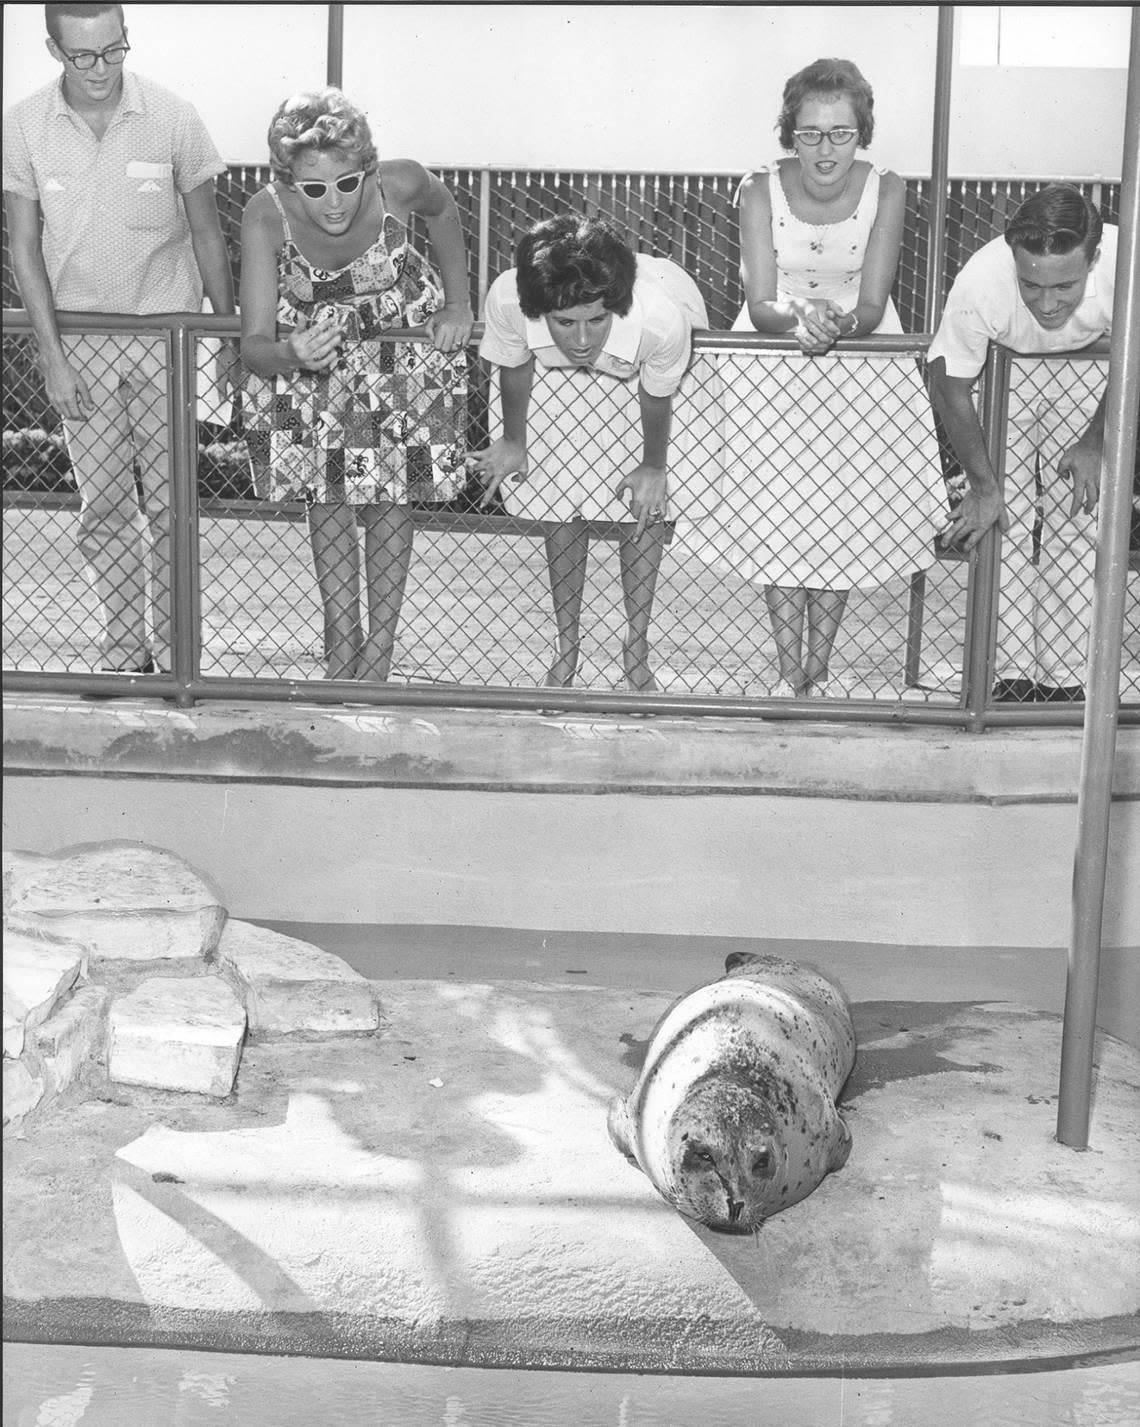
357, 428
831, 465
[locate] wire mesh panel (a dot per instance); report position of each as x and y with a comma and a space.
1049, 552
118, 458
479, 608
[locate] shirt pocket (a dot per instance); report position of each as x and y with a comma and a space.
57, 187
149, 201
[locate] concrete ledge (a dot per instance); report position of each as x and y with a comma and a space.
526, 752
757, 829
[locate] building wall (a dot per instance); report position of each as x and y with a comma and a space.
687, 88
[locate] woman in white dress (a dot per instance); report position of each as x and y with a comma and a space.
832, 465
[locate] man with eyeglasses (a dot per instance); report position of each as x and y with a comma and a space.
1045, 286
122, 172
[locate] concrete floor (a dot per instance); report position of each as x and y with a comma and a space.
445, 1192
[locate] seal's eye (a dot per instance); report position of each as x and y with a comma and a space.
762, 1163
705, 1156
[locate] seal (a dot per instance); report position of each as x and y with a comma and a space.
733, 1116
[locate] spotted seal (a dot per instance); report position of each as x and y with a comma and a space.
733, 1116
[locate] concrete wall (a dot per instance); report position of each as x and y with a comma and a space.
687, 88
750, 828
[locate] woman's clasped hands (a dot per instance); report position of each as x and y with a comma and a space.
817, 323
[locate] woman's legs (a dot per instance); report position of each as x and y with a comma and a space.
786, 607
640, 562
825, 613
567, 551
336, 558
388, 532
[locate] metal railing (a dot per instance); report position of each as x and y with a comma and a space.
476, 625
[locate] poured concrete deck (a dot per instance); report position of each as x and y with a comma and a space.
445, 1192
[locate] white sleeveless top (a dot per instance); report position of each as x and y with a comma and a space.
820, 259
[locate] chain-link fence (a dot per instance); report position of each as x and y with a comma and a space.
770, 490
687, 217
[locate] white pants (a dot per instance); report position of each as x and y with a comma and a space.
124, 546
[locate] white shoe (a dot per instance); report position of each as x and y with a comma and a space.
784, 690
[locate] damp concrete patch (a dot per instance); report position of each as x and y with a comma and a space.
445, 1191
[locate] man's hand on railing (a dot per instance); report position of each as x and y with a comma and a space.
502, 458
973, 518
647, 498
1081, 464
67, 391
450, 327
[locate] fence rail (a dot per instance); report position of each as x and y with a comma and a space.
475, 625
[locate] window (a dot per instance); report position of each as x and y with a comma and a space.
1044, 36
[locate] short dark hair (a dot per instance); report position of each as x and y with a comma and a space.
1057, 219
570, 261
827, 77
54, 13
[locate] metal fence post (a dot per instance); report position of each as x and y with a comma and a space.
185, 641
484, 253
939, 168
985, 567
1094, 803
334, 63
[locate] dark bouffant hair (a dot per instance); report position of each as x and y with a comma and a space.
1058, 219
570, 262
54, 13
827, 77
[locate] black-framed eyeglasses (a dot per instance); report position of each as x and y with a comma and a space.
113, 56
347, 183
814, 137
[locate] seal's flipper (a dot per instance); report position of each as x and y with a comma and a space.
617, 1122
735, 960
842, 1146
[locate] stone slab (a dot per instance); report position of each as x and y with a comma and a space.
127, 900
177, 1033
23, 1091
74, 1039
447, 1193
40, 969
288, 985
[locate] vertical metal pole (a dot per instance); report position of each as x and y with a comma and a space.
334, 65
1094, 802
939, 168
184, 568
982, 590
484, 254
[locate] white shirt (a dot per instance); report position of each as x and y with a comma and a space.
985, 306
654, 339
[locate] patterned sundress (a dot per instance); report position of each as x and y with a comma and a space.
388, 422
832, 474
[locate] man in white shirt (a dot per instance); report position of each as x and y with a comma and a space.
109, 194
1046, 286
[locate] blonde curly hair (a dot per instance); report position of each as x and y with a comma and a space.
320, 119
